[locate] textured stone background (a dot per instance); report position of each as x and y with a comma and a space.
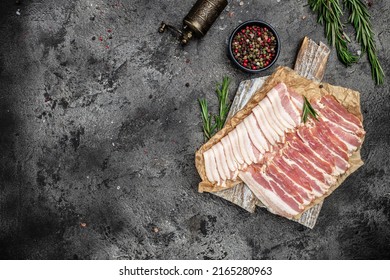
97, 137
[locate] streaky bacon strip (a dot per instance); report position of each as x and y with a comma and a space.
289, 185
282, 115
351, 140
299, 146
330, 102
324, 179
279, 204
300, 177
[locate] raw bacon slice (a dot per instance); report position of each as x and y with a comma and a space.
330, 102
255, 134
270, 193
233, 166
351, 140
300, 177
233, 138
266, 128
245, 144
282, 115
211, 166
322, 150
222, 166
269, 113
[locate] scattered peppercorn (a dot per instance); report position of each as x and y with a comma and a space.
93, 38
254, 47
187, 84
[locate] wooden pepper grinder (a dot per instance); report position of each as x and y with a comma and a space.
198, 20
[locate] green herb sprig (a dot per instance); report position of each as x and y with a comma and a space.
210, 128
360, 19
308, 110
223, 101
330, 12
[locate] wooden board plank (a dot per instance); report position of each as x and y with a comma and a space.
311, 63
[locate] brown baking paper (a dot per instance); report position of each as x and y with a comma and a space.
349, 98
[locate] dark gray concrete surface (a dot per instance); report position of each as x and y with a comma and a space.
97, 138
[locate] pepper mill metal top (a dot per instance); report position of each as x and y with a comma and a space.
198, 20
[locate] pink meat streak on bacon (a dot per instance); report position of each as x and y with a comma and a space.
333, 104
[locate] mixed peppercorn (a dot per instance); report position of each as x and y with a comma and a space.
254, 47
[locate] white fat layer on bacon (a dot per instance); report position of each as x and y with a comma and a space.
280, 112
254, 131
266, 105
297, 100
233, 166
244, 141
221, 160
272, 201
269, 133
218, 163
210, 166
233, 137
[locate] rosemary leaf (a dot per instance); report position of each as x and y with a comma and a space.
214, 123
223, 101
208, 127
360, 19
308, 110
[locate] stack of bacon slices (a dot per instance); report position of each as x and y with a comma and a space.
286, 163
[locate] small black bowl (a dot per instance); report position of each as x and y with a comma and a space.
252, 23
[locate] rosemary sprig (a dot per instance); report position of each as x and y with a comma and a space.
360, 19
329, 13
208, 127
223, 101
308, 110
